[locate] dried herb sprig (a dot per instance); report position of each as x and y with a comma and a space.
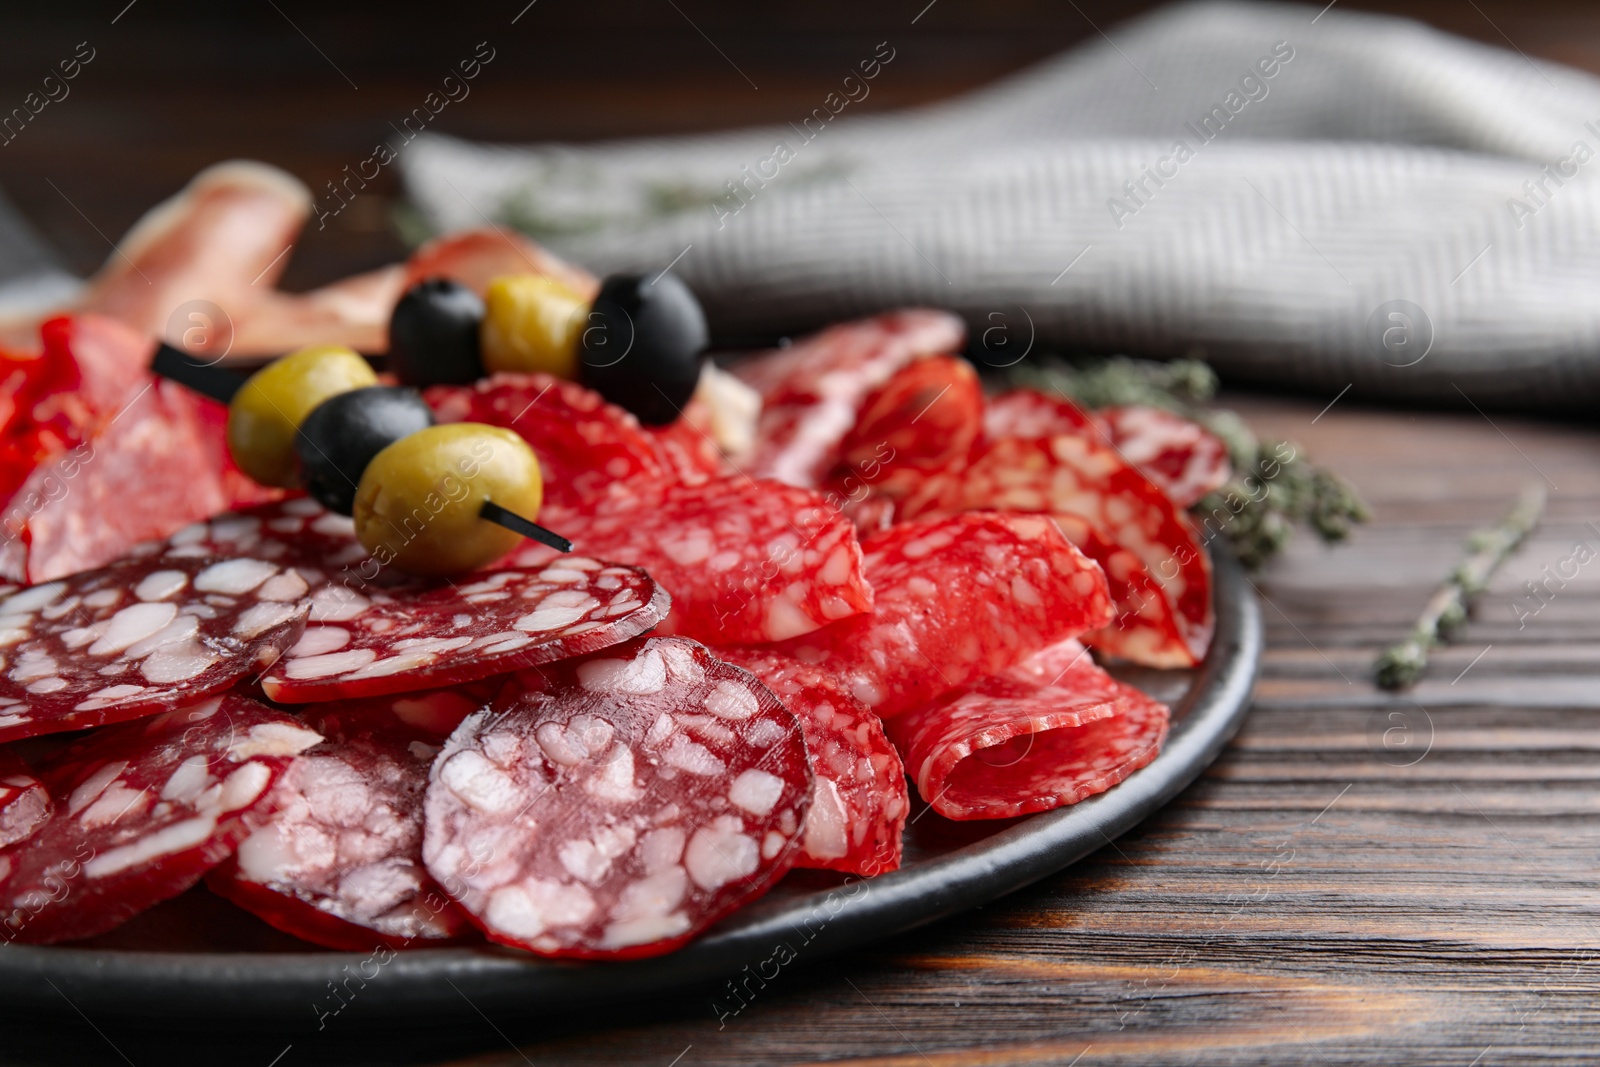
1402, 663
1273, 488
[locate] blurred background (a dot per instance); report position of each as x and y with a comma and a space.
174, 86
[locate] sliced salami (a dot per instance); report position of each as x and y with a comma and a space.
25, 803
923, 421
956, 599
1182, 457
588, 449
1045, 733
811, 390
298, 533
1030, 413
859, 802
340, 862
143, 810
617, 805
139, 637
745, 560
687, 446
1079, 475
1145, 629
377, 642
140, 474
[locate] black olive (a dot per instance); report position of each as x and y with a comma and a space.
433, 334
643, 344
342, 434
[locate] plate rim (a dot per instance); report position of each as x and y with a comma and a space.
191, 988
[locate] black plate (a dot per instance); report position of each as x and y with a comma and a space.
214, 967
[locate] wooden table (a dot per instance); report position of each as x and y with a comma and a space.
1361, 878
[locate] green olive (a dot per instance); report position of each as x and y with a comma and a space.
418, 501
532, 323
266, 412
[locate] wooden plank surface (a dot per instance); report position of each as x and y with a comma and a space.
1362, 878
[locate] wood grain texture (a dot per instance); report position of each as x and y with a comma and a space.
1362, 878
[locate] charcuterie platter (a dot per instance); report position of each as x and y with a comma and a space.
549, 660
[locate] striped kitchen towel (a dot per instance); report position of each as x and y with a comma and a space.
1310, 197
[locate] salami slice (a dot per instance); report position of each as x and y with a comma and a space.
1080, 476
340, 862
1045, 733
377, 641
923, 421
811, 390
1030, 413
300, 533
24, 801
617, 805
859, 802
140, 637
956, 599
745, 560
1182, 457
140, 474
687, 446
588, 449
1145, 629
143, 810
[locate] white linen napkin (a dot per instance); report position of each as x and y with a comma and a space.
1311, 197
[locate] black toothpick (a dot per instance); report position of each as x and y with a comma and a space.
517, 524
207, 379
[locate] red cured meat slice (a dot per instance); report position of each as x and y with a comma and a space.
340, 862
140, 637
477, 257
1048, 732
142, 474
587, 448
1078, 475
24, 802
1182, 457
746, 561
616, 806
687, 448
298, 533
811, 390
1145, 629
1030, 413
143, 810
859, 802
377, 642
956, 599
923, 421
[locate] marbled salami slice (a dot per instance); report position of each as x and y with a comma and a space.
340, 862
1079, 475
811, 390
745, 560
956, 599
1045, 733
921, 422
859, 802
24, 801
617, 805
377, 642
300, 533
139, 637
143, 810
1145, 629
588, 449
1182, 457
1030, 413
